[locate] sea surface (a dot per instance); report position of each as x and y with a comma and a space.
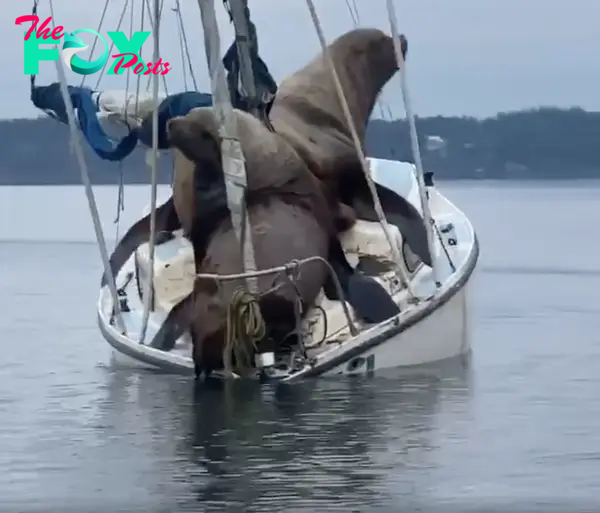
516, 427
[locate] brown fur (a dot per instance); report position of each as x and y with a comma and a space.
289, 217
308, 113
307, 110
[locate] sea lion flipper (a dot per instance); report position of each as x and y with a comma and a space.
399, 212
369, 299
138, 234
176, 323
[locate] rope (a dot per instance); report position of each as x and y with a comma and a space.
154, 26
359, 151
245, 327
414, 140
96, 39
181, 51
148, 289
186, 46
85, 177
218, 278
139, 77
112, 45
120, 202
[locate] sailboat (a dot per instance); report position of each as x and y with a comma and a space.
432, 322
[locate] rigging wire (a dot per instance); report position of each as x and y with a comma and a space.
181, 51
156, 56
121, 193
34, 10
355, 15
139, 77
148, 288
414, 140
96, 39
112, 45
186, 46
359, 151
85, 177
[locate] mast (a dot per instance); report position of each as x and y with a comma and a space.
243, 40
234, 168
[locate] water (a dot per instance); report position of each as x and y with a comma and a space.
519, 426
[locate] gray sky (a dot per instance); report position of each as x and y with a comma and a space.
472, 57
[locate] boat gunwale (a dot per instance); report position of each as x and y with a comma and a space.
168, 362
397, 326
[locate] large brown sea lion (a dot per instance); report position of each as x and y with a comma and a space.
290, 220
308, 113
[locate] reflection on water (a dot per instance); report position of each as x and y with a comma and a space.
260, 447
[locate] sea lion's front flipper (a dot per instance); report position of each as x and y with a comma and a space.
398, 212
139, 233
369, 299
176, 323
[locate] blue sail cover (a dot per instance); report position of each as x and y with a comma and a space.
49, 99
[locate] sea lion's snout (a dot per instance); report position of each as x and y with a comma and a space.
174, 129
195, 134
180, 137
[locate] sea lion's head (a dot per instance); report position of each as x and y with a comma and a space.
196, 135
367, 53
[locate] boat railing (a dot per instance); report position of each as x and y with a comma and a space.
290, 269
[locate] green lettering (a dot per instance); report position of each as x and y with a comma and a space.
133, 45
33, 54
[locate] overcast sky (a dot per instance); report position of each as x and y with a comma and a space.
472, 57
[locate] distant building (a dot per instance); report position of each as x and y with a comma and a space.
434, 143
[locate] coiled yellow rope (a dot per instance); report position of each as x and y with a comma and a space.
245, 327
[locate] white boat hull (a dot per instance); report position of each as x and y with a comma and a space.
443, 334
435, 329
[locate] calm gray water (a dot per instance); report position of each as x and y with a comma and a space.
517, 427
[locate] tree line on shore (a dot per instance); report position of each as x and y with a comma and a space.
544, 143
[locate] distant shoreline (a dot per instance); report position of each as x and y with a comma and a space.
541, 144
